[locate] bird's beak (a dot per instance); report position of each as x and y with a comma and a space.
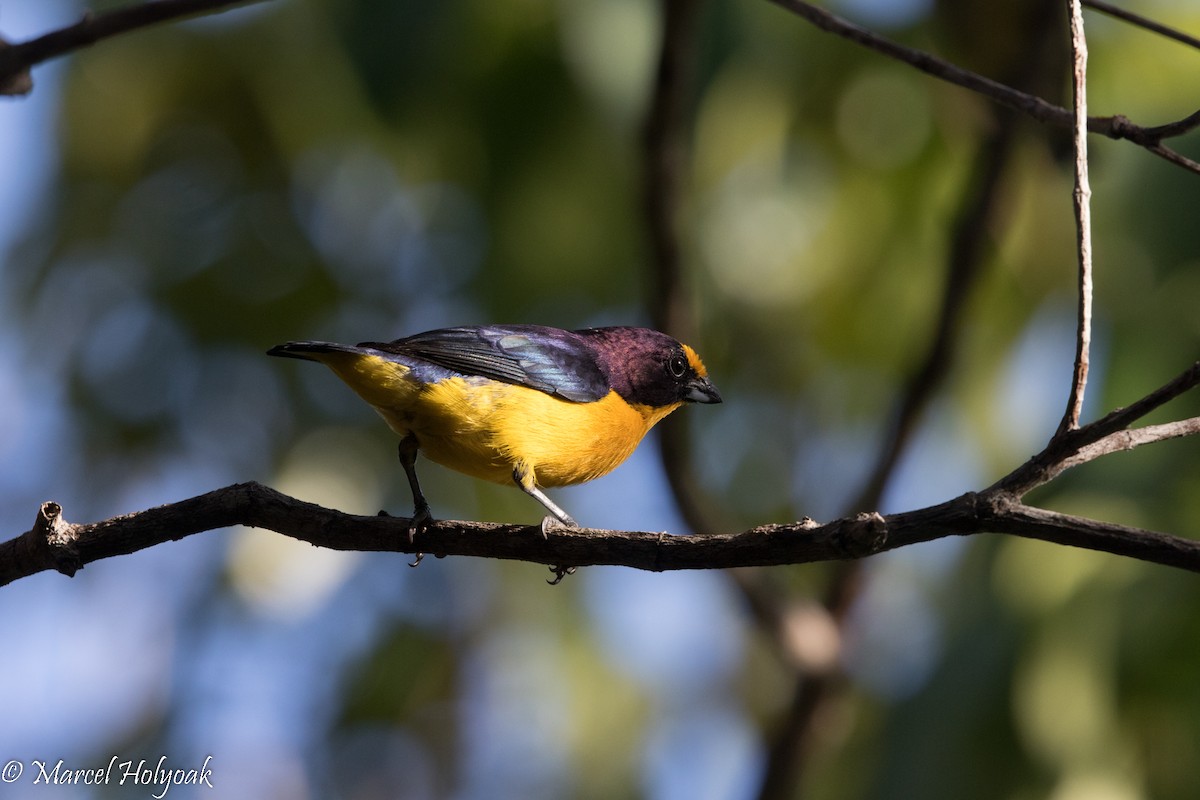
701, 390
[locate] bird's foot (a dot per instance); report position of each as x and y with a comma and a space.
549, 523
559, 574
421, 518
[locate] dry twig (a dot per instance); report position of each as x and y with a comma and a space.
17, 59
1081, 198
1142, 22
1114, 127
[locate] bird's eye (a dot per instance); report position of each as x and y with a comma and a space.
677, 366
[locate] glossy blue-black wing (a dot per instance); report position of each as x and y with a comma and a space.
557, 362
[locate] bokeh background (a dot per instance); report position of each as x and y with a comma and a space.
180, 199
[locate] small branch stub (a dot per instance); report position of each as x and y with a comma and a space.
865, 534
59, 538
17, 83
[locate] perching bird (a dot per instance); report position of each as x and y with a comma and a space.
522, 404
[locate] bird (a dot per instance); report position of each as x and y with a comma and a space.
526, 405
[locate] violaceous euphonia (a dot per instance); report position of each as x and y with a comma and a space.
523, 404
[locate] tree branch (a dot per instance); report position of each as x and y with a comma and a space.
1142, 22
1066, 529
1115, 127
1081, 201
1065, 449
55, 544
1129, 439
16, 59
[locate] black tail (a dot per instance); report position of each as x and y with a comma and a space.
309, 350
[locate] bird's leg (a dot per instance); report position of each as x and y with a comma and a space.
524, 478
421, 515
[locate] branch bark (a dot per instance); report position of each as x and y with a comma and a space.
1073, 447
55, 544
1081, 201
52, 543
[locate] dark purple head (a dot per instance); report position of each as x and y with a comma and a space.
650, 368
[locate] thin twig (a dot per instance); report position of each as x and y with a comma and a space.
1122, 418
1142, 22
1083, 220
1066, 529
1178, 128
1113, 127
1134, 437
1063, 450
16, 59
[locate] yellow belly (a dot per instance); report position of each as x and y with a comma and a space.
487, 429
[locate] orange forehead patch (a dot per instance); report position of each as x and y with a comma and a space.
695, 361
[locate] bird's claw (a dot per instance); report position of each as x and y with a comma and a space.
549, 523
559, 574
420, 521
421, 518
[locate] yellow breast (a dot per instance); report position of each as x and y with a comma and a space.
566, 443
486, 429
